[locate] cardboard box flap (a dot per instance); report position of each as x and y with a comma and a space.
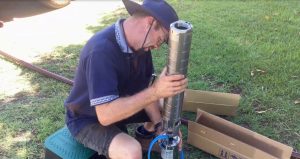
221, 145
208, 97
212, 102
244, 135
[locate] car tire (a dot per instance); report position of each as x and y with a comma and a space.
55, 4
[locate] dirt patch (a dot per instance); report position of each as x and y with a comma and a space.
257, 105
219, 85
246, 125
18, 97
236, 89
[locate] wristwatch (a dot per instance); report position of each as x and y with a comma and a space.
152, 79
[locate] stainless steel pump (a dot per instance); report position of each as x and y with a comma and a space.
180, 38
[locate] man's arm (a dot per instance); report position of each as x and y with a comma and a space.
154, 113
125, 107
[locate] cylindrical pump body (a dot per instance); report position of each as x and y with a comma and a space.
179, 48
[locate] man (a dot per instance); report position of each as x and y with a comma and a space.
112, 79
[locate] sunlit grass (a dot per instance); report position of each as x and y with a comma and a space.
245, 47
22, 153
13, 81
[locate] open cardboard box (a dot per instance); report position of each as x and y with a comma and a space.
227, 140
212, 102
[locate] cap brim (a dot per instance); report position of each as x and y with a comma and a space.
133, 7
163, 18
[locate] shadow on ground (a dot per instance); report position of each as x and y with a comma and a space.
29, 117
108, 19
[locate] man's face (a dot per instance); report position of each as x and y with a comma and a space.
157, 36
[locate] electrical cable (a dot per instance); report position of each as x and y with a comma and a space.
161, 137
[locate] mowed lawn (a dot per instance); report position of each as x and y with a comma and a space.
247, 47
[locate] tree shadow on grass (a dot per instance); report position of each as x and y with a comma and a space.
225, 64
42, 112
108, 19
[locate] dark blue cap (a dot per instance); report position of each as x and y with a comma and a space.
159, 9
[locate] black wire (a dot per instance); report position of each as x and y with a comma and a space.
147, 34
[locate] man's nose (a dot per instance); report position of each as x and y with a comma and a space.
156, 46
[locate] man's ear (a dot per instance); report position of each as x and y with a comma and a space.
149, 20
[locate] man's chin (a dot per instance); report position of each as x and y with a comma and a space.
142, 50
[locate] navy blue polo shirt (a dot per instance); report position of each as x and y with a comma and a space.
108, 69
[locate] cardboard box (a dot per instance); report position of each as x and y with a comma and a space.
212, 102
227, 140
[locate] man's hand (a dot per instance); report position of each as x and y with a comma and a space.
167, 86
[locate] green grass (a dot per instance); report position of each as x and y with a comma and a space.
232, 42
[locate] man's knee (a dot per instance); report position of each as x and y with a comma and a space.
134, 150
125, 146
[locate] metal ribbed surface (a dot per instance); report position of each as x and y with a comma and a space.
179, 48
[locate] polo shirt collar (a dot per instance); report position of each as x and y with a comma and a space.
120, 36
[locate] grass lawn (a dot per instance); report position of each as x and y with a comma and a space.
246, 47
